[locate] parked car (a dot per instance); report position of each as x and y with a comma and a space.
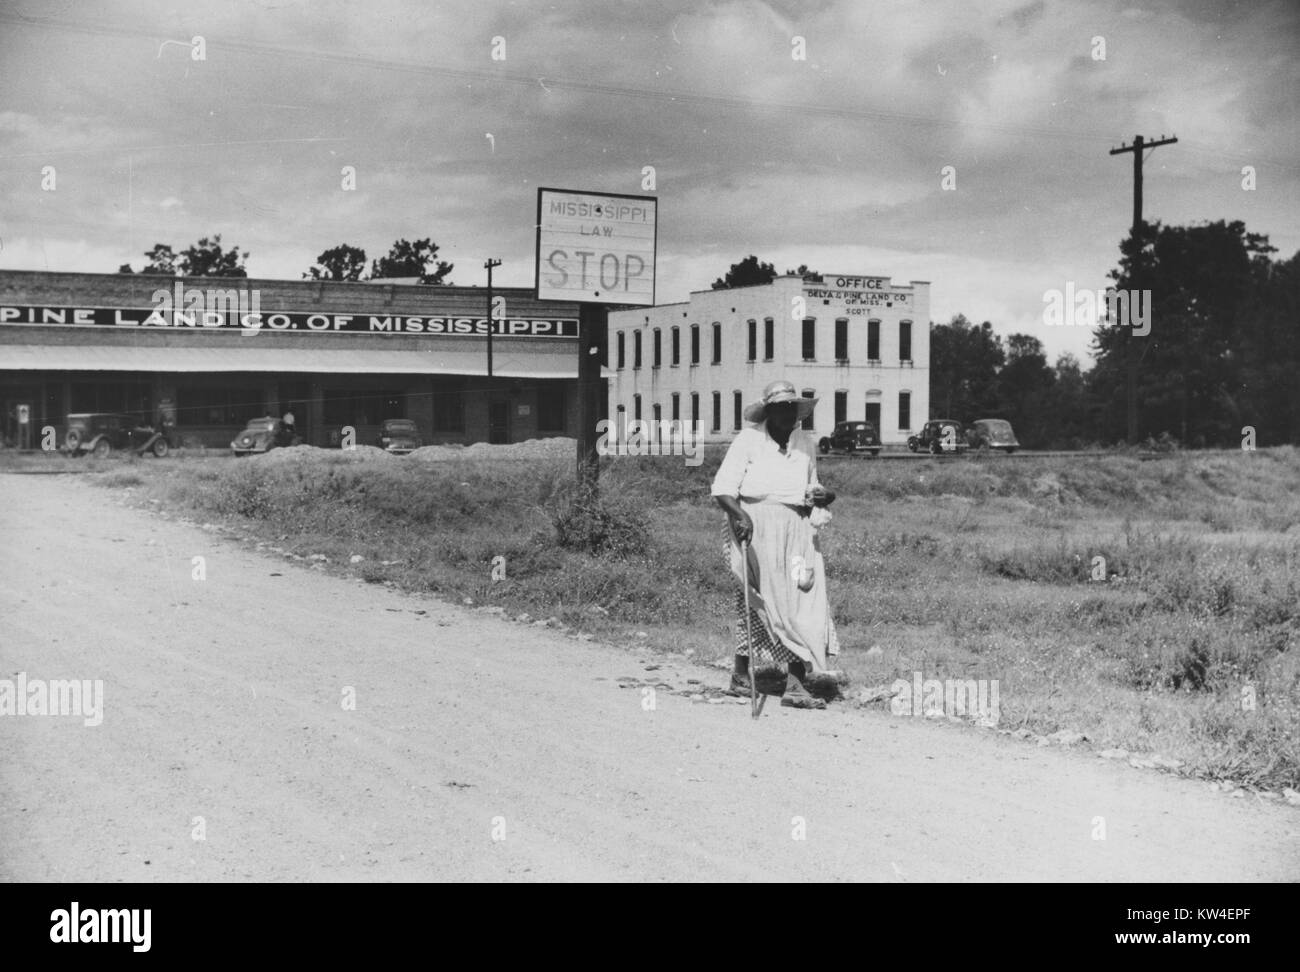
939, 436
399, 436
100, 433
992, 434
851, 437
262, 435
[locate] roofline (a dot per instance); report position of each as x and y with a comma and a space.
225, 282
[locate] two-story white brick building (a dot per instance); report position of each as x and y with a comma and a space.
860, 344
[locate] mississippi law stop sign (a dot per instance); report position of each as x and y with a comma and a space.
596, 247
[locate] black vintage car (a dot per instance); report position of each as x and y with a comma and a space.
939, 437
399, 436
262, 435
992, 434
851, 437
102, 433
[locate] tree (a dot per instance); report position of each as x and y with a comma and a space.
1203, 281
207, 258
804, 272
162, 260
964, 363
1024, 390
747, 273
1070, 413
407, 259
340, 263
1269, 357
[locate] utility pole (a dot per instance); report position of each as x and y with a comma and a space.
593, 336
1137, 148
489, 265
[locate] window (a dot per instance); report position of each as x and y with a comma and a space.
873, 340
636, 349
621, 349
841, 339
769, 339
739, 404
194, 406
677, 346
695, 344
550, 408
636, 408
753, 340
904, 410
448, 411
677, 407
717, 412
808, 422
717, 343
364, 407
841, 406
695, 410
658, 423
904, 340
809, 339
658, 349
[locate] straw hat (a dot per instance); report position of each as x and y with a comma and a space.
776, 393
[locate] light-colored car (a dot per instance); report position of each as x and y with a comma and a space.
992, 434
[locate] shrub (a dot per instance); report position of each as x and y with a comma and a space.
596, 524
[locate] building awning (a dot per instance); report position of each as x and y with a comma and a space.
249, 357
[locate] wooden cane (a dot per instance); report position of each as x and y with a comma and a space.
755, 700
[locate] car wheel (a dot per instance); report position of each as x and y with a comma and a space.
824, 445
875, 453
1009, 451
73, 440
912, 445
102, 448
935, 448
161, 448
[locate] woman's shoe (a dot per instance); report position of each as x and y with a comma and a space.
739, 684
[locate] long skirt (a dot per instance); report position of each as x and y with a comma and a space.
787, 623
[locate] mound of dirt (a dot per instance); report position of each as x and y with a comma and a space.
556, 448
306, 453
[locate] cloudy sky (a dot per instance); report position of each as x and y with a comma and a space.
835, 160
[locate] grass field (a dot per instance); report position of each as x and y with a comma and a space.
957, 569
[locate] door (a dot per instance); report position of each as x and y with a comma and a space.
873, 415
294, 396
499, 422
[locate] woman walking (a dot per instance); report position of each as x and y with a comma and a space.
768, 485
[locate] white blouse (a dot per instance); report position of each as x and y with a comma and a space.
755, 468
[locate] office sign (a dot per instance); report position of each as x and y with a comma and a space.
596, 247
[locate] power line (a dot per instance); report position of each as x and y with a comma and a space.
544, 82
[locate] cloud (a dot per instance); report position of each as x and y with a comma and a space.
834, 160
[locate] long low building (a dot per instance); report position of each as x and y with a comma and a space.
207, 354
860, 344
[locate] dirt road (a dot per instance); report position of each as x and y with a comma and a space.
480, 749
